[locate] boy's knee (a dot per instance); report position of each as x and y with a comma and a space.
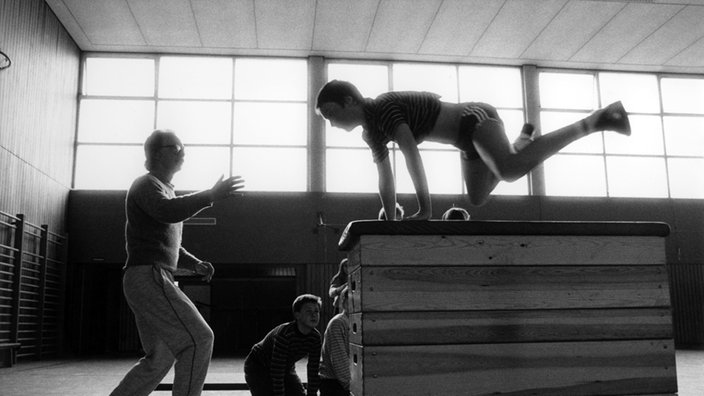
476, 199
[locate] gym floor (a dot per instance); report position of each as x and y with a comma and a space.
93, 377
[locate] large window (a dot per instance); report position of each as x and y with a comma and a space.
250, 117
656, 161
349, 162
235, 117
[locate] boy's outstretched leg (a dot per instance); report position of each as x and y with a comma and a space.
611, 118
509, 164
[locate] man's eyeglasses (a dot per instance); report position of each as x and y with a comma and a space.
175, 148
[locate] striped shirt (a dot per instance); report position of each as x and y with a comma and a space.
419, 110
336, 351
282, 348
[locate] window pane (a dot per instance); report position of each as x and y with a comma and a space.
552, 120
195, 77
439, 79
350, 171
575, 176
286, 123
683, 95
196, 122
436, 146
637, 177
338, 137
108, 167
647, 138
371, 80
271, 169
519, 187
202, 167
115, 121
442, 169
271, 79
498, 86
684, 135
513, 122
686, 178
119, 77
638, 92
567, 91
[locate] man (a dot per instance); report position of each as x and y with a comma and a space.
269, 369
170, 327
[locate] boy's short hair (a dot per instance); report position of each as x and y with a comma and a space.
335, 91
304, 299
455, 213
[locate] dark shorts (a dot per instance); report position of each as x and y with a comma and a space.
473, 115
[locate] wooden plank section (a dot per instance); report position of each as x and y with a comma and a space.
584, 368
407, 250
555, 228
472, 327
507, 287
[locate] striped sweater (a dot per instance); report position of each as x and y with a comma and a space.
336, 351
419, 110
282, 348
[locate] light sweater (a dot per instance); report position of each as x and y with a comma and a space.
336, 351
154, 225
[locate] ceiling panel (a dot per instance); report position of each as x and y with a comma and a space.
632, 25
681, 31
69, 22
107, 22
343, 25
645, 35
571, 29
175, 28
691, 56
458, 25
400, 25
515, 27
285, 24
225, 23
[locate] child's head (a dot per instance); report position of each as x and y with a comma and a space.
336, 91
306, 310
340, 298
341, 276
455, 213
399, 212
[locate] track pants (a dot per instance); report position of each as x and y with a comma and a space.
171, 329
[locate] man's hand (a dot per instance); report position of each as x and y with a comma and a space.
226, 188
206, 269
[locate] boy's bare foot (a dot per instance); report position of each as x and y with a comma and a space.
611, 118
525, 138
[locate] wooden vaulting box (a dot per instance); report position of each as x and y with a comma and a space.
519, 308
